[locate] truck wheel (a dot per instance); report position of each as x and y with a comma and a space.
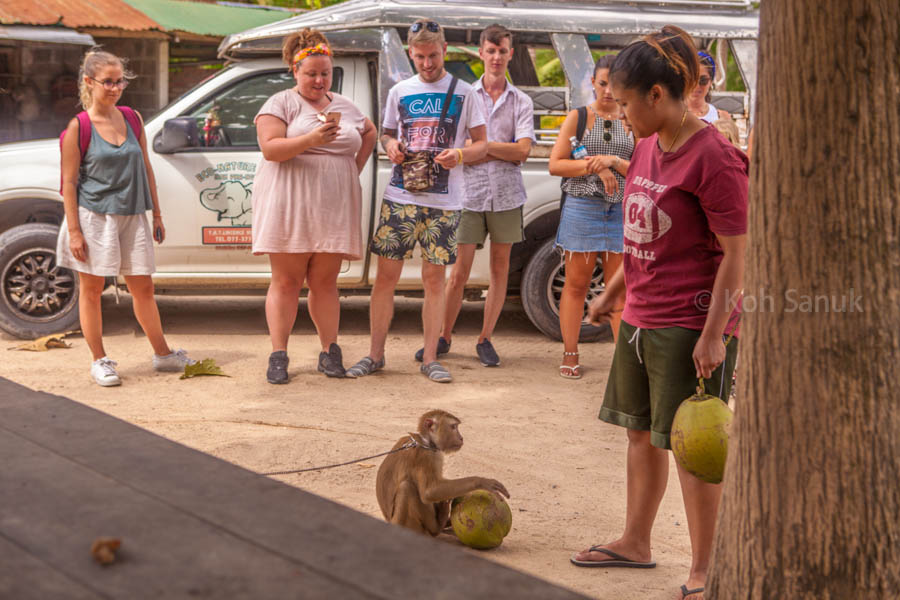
541, 289
38, 298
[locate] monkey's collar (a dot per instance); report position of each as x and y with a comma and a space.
414, 443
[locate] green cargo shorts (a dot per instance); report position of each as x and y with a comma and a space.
652, 373
505, 227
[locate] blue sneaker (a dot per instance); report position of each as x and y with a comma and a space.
443, 348
487, 354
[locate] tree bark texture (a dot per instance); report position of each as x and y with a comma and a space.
811, 504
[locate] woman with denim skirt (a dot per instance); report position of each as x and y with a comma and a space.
591, 221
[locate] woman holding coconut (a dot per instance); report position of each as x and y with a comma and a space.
685, 233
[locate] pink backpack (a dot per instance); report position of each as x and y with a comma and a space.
84, 133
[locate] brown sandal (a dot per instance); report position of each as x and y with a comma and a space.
570, 371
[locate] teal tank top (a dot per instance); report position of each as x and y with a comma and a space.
113, 178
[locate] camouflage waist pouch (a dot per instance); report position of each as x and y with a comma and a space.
419, 171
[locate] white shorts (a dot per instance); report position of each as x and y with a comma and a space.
116, 245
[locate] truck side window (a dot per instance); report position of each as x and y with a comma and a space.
225, 120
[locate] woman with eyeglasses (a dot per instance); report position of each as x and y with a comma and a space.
107, 189
699, 100
592, 218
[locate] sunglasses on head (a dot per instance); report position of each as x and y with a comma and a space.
607, 134
704, 79
429, 25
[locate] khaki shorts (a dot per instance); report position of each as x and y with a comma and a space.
116, 245
505, 227
652, 373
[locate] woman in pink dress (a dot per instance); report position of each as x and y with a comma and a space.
307, 198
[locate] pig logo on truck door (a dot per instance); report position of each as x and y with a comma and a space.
230, 200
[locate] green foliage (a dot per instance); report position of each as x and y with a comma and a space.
307, 4
207, 366
733, 80
549, 70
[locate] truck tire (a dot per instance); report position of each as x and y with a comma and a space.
541, 288
37, 298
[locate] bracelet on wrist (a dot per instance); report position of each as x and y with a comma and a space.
459, 152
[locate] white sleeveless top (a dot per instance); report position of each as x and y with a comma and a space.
712, 115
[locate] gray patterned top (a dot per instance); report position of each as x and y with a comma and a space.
621, 145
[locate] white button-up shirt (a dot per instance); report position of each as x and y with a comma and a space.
497, 184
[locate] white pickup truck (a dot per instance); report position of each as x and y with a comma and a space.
204, 151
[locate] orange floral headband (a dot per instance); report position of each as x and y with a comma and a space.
321, 49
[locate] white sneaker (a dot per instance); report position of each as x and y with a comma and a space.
103, 371
176, 361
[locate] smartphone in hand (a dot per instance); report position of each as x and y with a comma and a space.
157, 235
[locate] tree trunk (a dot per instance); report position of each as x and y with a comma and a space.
811, 505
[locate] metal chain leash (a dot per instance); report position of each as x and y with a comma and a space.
412, 443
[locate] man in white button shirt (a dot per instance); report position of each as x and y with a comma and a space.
495, 191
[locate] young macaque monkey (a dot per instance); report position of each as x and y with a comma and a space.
410, 485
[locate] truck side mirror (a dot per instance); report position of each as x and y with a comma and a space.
177, 134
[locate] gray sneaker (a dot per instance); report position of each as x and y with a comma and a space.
278, 364
487, 354
174, 361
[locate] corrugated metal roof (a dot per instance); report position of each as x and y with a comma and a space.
76, 13
206, 19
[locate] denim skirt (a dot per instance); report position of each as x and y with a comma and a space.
590, 225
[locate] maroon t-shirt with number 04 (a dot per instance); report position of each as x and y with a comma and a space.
675, 204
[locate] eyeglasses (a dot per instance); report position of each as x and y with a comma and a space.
607, 133
429, 25
704, 79
109, 84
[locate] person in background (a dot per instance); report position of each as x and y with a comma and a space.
729, 129
699, 99
590, 224
429, 116
685, 236
495, 192
106, 194
307, 200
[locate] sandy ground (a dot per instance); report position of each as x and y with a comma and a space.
523, 424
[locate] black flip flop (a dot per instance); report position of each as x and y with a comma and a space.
618, 560
685, 592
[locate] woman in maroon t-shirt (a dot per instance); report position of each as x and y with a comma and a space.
685, 232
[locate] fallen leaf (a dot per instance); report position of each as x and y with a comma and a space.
365, 465
104, 550
46, 343
207, 366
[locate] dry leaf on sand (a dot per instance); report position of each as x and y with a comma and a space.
46, 343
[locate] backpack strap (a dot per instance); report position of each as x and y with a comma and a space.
132, 118
581, 125
84, 140
582, 122
84, 131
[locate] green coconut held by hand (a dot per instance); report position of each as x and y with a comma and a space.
699, 436
481, 519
